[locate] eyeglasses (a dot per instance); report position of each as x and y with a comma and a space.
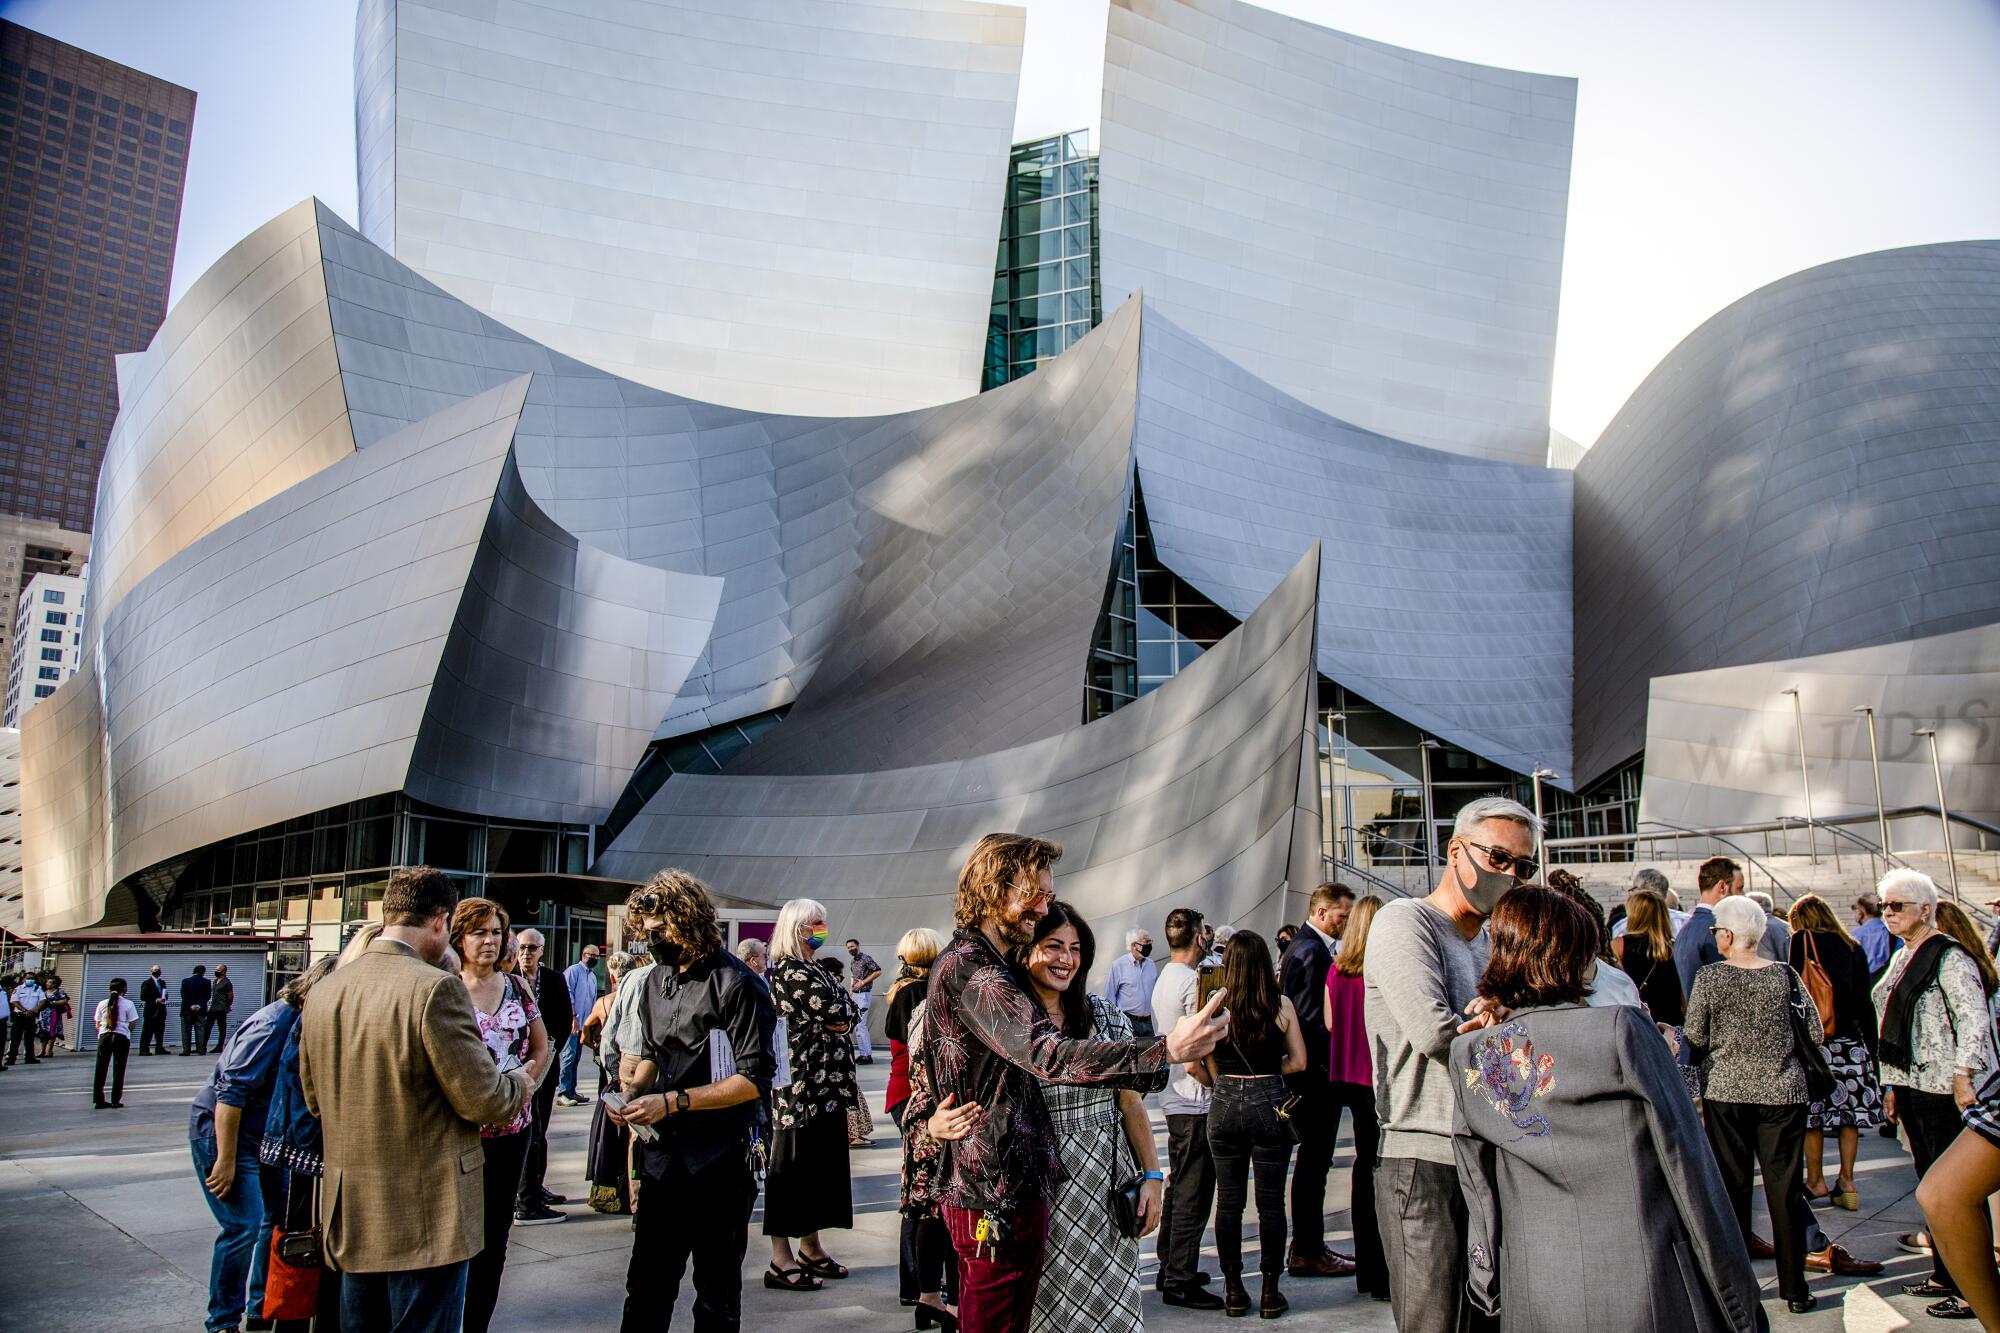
1524, 867
1036, 897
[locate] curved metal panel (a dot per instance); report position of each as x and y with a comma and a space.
1722, 746
1446, 593
1814, 469
238, 397
1191, 795
65, 834
1376, 232
789, 205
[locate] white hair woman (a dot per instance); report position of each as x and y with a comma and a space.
1935, 1047
808, 1187
1739, 1022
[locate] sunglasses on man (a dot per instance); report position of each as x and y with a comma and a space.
1502, 860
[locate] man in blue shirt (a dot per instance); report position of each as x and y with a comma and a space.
225, 1126
581, 980
1874, 938
1129, 988
1694, 946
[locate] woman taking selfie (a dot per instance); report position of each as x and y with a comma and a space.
1249, 1122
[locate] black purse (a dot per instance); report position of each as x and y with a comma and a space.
1812, 1056
1125, 1206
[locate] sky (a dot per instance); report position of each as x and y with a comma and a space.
1719, 145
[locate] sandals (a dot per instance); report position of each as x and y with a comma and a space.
1951, 1307
821, 1267
797, 1279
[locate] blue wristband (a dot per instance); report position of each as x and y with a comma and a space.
1152, 1175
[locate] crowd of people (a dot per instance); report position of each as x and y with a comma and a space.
1525, 1080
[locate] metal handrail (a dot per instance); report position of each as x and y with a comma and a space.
1341, 864
1855, 838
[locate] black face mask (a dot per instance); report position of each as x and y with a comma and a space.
1146, 949
665, 952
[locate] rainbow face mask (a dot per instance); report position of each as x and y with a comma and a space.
817, 939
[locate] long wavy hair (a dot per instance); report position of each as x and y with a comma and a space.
996, 865
1076, 1000
1252, 982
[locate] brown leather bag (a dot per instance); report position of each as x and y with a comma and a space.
1818, 984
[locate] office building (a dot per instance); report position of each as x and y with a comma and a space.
48, 634
1046, 294
93, 163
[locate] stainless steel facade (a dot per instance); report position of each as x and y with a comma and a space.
786, 205
1816, 468
1374, 231
1196, 793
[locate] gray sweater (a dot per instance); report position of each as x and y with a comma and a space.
1421, 973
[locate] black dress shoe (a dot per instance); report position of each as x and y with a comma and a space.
1802, 1305
1193, 1296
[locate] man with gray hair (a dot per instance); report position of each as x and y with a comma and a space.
1129, 987
1649, 878
1424, 960
534, 1202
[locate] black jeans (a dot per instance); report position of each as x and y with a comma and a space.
1371, 1269
671, 1228
1318, 1119
1748, 1137
501, 1181
215, 1025
1244, 1133
112, 1048
1190, 1195
535, 1170
1933, 1121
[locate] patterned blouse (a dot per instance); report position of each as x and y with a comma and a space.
808, 1000
1950, 1028
1741, 1017
989, 1042
507, 1031
923, 1156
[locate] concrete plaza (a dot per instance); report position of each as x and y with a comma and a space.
104, 1228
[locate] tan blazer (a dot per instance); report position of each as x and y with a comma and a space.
392, 1063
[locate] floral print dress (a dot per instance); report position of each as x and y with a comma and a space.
506, 1031
811, 1002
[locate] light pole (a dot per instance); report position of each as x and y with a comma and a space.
1944, 814
1875, 762
1805, 778
1424, 749
1343, 813
1541, 851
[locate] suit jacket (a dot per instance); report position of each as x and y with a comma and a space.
1302, 976
1694, 946
194, 995
1593, 1199
391, 1061
552, 995
153, 992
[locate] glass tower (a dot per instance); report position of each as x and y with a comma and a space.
1046, 293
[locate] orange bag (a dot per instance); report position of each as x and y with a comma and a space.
291, 1291
1818, 985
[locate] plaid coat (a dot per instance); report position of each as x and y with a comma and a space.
391, 1062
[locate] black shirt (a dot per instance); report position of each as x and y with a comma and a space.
552, 997
679, 1011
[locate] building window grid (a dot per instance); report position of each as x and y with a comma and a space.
1047, 293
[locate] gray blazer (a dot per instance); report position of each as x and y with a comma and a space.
1594, 1202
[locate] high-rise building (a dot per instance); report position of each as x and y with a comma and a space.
93, 157
48, 639
1046, 294
28, 547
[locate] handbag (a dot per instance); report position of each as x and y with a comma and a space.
1812, 1056
1284, 1112
1125, 1206
1818, 984
291, 1283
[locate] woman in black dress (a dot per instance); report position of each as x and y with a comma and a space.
1646, 952
1856, 1102
807, 1187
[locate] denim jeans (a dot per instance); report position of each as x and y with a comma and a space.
242, 1250
421, 1300
1244, 1133
566, 1079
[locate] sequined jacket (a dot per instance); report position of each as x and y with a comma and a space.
988, 1042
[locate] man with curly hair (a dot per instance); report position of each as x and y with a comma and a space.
989, 1042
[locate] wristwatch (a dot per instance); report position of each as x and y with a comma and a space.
681, 1102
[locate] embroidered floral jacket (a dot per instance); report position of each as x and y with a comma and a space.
989, 1041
